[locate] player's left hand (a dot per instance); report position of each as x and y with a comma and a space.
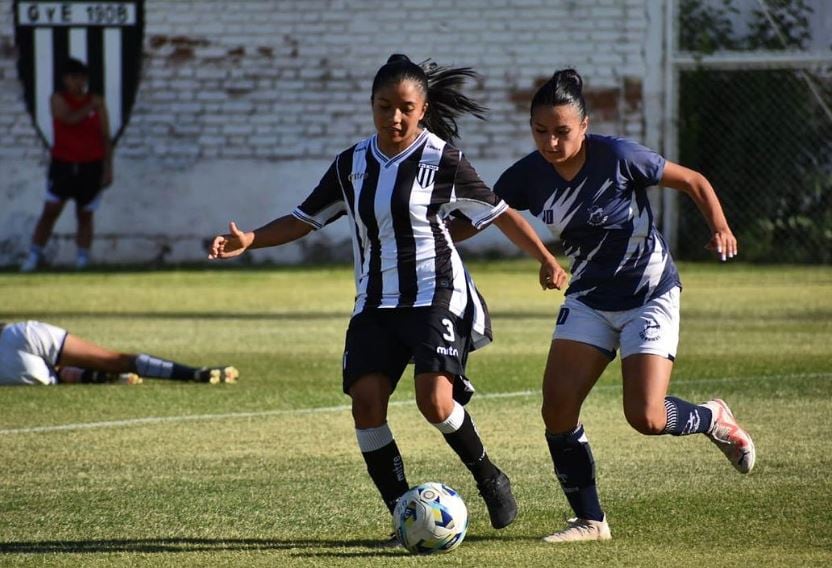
552, 276
724, 244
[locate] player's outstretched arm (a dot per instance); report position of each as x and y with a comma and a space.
280, 231
518, 230
700, 190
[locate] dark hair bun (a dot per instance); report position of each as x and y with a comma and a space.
568, 76
397, 57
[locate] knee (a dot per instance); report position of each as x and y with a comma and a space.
50, 214
560, 414
649, 424
433, 407
368, 413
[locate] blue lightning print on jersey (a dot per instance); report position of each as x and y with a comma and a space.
603, 218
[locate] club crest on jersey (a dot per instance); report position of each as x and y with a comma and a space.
596, 216
106, 35
426, 174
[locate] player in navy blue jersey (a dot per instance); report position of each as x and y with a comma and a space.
414, 299
591, 191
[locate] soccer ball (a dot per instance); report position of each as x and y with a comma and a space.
430, 518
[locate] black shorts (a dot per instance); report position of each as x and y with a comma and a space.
385, 340
78, 181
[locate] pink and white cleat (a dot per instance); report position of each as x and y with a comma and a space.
729, 437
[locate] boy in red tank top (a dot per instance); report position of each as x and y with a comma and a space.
81, 164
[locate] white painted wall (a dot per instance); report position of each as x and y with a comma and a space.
243, 105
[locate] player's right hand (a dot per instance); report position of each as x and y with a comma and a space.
231, 244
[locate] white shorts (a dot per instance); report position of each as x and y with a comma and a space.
29, 352
652, 328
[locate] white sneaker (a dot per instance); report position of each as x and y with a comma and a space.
729, 437
128, 379
31, 263
580, 530
216, 375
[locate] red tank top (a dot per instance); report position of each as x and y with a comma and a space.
81, 142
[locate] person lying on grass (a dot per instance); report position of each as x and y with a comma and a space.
38, 353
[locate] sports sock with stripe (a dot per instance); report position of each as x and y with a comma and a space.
150, 366
575, 470
384, 462
684, 418
462, 436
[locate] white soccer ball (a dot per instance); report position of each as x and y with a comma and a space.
430, 518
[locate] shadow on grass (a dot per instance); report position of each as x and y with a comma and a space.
300, 547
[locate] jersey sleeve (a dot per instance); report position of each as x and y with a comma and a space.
511, 188
474, 199
326, 202
640, 164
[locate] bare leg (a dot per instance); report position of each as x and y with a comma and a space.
79, 352
43, 230
434, 396
646, 379
370, 396
572, 369
83, 237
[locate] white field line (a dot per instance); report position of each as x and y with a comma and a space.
346, 407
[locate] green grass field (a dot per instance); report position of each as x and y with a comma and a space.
267, 473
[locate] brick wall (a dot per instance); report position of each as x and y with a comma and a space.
271, 82
290, 78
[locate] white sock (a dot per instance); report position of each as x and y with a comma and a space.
454, 421
372, 439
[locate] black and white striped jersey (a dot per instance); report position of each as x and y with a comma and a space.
404, 255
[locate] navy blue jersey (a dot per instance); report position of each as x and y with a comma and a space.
619, 259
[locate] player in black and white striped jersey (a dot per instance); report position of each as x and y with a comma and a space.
414, 298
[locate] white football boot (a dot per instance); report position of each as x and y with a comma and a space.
216, 375
578, 530
729, 437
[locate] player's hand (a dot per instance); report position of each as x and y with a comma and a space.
231, 244
552, 276
724, 244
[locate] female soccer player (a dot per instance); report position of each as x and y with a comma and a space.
624, 290
81, 164
38, 353
414, 298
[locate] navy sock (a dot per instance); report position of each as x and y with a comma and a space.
150, 366
684, 418
575, 469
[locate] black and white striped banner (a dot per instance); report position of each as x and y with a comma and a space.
106, 35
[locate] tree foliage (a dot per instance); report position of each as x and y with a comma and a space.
760, 136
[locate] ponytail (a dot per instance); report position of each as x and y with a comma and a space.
565, 87
441, 87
